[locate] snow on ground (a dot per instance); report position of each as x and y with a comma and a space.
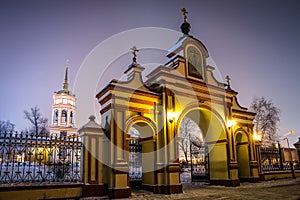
288, 189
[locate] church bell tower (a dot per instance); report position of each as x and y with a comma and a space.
63, 111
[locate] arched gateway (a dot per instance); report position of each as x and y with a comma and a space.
149, 114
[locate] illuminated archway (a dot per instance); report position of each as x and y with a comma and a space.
242, 153
140, 147
214, 134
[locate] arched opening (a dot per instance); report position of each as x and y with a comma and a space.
55, 116
64, 116
242, 152
135, 158
141, 154
71, 117
193, 154
210, 144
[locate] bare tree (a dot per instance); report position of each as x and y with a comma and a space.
189, 131
39, 124
266, 120
6, 126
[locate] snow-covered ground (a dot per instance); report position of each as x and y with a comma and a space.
271, 190
185, 177
288, 189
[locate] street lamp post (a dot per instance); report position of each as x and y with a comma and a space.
291, 159
280, 156
285, 137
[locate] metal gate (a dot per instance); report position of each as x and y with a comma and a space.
135, 162
199, 162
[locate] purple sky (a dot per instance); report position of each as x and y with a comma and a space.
256, 42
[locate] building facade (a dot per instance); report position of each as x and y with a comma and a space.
185, 86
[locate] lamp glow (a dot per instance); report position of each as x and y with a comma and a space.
231, 123
172, 116
256, 136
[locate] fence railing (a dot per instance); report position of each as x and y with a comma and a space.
272, 159
28, 158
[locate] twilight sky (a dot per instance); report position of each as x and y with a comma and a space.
256, 42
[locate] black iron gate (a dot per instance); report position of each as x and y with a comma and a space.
135, 163
199, 162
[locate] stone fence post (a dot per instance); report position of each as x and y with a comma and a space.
91, 167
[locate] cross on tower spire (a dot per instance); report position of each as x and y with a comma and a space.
134, 50
228, 81
185, 26
66, 84
184, 12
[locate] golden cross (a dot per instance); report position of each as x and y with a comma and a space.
184, 12
228, 80
134, 50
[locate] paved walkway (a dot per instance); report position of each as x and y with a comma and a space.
287, 189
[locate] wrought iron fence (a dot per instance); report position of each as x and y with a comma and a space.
28, 158
272, 159
199, 162
135, 161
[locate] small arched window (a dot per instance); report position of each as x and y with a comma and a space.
71, 117
195, 62
64, 116
55, 116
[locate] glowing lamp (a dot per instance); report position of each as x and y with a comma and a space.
257, 137
231, 123
172, 116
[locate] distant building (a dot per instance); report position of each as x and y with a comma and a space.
63, 111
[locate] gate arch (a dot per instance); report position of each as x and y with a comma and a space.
215, 136
242, 150
152, 104
214, 118
137, 119
143, 148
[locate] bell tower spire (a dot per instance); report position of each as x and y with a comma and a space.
66, 84
63, 122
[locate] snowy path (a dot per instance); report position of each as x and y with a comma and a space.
288, 189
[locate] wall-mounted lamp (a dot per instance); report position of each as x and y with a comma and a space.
172, 116
257, 136
230, 123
